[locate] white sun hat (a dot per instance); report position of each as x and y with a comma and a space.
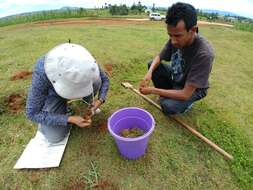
72, 70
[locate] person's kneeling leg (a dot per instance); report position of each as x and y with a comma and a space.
171, 107
55, 134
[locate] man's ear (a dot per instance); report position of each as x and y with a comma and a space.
194, 29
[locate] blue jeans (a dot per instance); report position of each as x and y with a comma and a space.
55, 134
161, 78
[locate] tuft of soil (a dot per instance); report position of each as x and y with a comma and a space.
102, 127
105, 185
21, 75
34, 177
15, 103
108, 69
76, 184
132, 132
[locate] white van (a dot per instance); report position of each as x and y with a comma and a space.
156, 16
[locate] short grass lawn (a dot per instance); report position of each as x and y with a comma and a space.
174, 158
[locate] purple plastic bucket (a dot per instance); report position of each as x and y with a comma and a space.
131, 148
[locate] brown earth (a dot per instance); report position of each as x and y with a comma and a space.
102, 127
76, 184
79, 22
105, 184
14, 102
79, 184
200, 23
109, 21
34, 177
21, 75
90, 21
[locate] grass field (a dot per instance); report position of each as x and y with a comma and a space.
174, 159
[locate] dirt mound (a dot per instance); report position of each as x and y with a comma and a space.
105, 184
108, 69
21, 75
76, 184
15, 103
102, 127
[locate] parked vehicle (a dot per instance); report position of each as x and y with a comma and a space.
156, 16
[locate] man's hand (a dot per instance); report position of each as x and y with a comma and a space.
147, 78
146, 90
79, 121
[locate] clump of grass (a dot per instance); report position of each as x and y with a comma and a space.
91, 179
233, 141
244, 26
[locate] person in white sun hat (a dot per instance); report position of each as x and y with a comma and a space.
66, 72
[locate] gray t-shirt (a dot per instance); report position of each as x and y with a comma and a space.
191, 64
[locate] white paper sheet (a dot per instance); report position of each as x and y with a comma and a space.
39, 153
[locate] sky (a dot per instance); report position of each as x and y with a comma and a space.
10, 7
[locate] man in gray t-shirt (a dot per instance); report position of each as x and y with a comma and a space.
185, 79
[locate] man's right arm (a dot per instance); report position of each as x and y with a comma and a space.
156, 61
165, 54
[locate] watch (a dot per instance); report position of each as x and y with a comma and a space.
101, 100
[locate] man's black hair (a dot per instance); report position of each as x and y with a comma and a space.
182, 11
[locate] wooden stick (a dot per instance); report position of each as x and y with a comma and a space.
226, 155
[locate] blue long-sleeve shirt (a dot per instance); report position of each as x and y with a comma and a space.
42, 93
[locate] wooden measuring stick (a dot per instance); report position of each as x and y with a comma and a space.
226, 155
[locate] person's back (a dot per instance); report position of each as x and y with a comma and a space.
66, 72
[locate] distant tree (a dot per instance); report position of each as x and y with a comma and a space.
118, 10
133, 7
153, 7
81, 11
139, 8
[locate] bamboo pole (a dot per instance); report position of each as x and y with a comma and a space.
226, 155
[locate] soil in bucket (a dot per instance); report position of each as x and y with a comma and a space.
132, 132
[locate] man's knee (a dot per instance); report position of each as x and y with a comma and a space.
171, 107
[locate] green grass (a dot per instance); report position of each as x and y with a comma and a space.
54, 14
174, 159
66, 14
244, 26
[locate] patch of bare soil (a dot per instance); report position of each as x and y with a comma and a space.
200, 23
90, 21
34, 177
108, 69
14, 102
76, 184
102, 127
21, 75
80, 22
105, 185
